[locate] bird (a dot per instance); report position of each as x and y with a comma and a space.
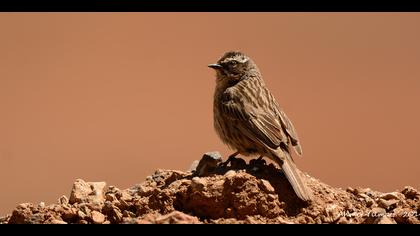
248, 119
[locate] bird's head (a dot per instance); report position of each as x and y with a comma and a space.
233, 65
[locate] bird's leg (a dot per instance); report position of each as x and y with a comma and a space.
230, 158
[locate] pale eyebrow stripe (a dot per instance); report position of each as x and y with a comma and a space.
239, 59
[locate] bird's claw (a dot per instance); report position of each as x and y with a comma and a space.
228, 161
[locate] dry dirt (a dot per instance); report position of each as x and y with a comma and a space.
213, 193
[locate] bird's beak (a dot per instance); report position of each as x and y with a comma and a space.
215, 66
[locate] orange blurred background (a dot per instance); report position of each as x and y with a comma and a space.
114, 96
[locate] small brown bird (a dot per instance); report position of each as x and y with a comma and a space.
248, 119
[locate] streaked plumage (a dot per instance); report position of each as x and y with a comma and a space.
248, 119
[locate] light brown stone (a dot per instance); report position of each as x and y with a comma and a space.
87, 192
97, 217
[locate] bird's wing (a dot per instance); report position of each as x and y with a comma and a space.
262, 127
290, 129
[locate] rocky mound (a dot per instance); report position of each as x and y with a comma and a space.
214, 193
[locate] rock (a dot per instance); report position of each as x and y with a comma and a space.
198, 183
69, 215
358, 191
22, 214
350, 190
406, 216
92, 206
266, 186
254, 193
284, 221
230, 174
111, 197
25, 205
364, 196
272, 197
362, 192
63, 200
218, 184
332, 213
343, 220
122, 204
377, 212
177, 217
81, 214
87, 192
4, 219
369, 201
60, 222
128, 214
113, 189
125, 196
387, 204
112, 212
373, 215
384, 220
251, 220
208, 163
392, 196
410, 192
97, 217
84, 222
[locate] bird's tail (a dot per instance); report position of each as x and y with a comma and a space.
292, 174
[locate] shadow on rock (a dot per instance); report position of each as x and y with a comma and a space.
214, 192
272, 179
